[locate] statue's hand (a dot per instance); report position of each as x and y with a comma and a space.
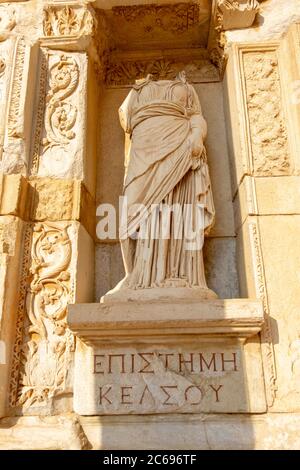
196, 163
196, 143
197, 150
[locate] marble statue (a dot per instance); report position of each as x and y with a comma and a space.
165, 166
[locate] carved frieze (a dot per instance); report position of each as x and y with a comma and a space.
267, 126
126, 72
44, 344
176, 18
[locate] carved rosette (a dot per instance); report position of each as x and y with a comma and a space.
44, 344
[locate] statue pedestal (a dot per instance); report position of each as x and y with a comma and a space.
161, 357
169, 294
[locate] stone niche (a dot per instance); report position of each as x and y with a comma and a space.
163, 39
163, 357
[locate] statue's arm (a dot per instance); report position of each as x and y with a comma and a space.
198, 134
125, 112
198, 125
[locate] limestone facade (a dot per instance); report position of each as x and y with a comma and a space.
65, 69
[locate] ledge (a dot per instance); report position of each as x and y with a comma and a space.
233, 317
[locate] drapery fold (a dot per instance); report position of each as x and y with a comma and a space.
160, 169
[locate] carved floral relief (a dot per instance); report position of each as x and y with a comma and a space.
67, 21
268, 132
44, 344
126, 72
176, 18
59, 113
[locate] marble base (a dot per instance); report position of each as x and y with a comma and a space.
269, 431
155, 294
165, 358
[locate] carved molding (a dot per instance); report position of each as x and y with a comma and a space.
226, 15
40, 111
44, 345
15, 112
266, 332
14, 378
14, 154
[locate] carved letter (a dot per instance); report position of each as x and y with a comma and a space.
102, 396
144, 371
190, 388
229, 360
216, 390
212, 362
125, 395
96, 364
164, 387
183, 362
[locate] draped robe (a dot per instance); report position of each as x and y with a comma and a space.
161, 120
